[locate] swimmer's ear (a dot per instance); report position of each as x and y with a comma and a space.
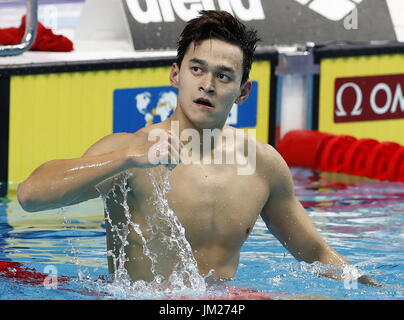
174, 75
245, 92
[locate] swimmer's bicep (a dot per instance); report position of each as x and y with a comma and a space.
287, 219
110, 143
289, 222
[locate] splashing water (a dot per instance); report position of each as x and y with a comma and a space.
185, 273
167, 230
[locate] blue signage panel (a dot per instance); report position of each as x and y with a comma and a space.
135, 108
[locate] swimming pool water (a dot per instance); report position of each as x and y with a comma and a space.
362, 220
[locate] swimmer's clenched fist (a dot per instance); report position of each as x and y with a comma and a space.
165, 151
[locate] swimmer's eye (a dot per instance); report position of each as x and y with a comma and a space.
196, 70
224, 77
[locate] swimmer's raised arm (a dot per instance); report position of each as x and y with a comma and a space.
64, 182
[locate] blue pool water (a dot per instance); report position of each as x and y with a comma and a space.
362, 220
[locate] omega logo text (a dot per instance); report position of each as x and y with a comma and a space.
369, 98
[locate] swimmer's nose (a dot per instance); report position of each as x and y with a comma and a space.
207, 85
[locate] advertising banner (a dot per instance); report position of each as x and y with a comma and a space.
369, 98
156, 24
363, 96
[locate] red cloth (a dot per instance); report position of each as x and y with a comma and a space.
45, 40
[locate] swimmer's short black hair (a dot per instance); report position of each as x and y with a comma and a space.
216, 24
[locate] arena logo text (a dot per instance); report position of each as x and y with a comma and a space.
156, 11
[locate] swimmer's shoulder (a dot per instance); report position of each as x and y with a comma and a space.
274, 169
246, 138
116, 141
270, 163
265, 151
120, 140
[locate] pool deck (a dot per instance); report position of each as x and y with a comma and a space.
84, 51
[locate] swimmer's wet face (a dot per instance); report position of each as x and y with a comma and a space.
216, 24
209, 82
214, 58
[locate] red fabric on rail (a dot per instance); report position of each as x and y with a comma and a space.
45, 40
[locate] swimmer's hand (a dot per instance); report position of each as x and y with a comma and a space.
336, 272
160, 147
369, 281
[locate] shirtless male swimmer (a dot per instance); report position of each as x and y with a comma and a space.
216, 206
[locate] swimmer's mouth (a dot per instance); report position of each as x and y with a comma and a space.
204, 103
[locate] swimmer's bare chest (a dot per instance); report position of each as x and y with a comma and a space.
216, 206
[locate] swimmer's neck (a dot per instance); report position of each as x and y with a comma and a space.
209, 136
179, 119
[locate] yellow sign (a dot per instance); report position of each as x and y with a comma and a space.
347, 76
